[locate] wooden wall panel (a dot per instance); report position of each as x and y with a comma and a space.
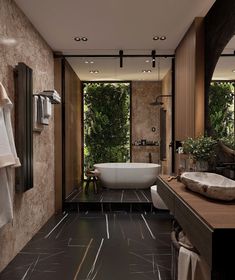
58, 137
73, 130
189, 85
199, 79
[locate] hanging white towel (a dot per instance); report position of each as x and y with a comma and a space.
47, 107
37, 126
8, 158
42, 119
191, 266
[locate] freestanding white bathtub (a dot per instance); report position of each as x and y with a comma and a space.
127, 175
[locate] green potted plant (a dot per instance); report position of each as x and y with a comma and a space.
201, 150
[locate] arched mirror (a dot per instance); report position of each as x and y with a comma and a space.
221, 110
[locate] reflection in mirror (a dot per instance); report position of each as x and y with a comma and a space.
222, 110
108, 68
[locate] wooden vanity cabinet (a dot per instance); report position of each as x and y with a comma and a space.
209, 224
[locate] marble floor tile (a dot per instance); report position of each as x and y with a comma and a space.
97, 246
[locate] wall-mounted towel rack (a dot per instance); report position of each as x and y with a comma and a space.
53, 95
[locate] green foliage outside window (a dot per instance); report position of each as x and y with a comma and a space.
221, 110
200, 148
106, 123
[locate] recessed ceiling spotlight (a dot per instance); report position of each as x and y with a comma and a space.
233, 70
146, 71
86, 62
155, 38
94, 71
78, 39
163, 38
91, 62
147, 60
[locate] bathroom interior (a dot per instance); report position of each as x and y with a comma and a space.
153, 205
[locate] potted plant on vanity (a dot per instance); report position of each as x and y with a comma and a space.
201, 151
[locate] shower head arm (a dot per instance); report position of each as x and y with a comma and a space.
163, 95
157, 102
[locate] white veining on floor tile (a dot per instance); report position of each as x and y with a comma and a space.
27, 271
46, 236
122, 196
95, 260
107, 225
145, 196
137, 196
153, 236
83, 259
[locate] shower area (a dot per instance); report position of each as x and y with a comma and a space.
147, 132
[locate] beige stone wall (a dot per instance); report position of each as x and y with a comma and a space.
144, 117
33, 208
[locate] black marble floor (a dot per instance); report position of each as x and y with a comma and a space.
111, 200
97, 246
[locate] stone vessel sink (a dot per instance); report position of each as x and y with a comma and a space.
210, 184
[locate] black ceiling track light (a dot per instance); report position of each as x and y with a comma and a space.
153, 58
121, 58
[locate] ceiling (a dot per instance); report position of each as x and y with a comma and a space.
113, 25
225, 68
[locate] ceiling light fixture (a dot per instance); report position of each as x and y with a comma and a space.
155, 38
233, 70
147, 61
162, 38
78, 39
94, 71
87, 62
146, 71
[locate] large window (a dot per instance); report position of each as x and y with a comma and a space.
106, 123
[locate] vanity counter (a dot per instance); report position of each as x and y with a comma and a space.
209, 224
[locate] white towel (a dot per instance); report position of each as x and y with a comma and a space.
37, 126
47, 107
41, 118
191, 266
8, 159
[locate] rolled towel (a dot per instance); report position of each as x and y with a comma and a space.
41, 116
47, 107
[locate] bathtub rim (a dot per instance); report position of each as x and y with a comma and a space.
126, 165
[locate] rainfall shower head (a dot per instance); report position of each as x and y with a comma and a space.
157, 102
